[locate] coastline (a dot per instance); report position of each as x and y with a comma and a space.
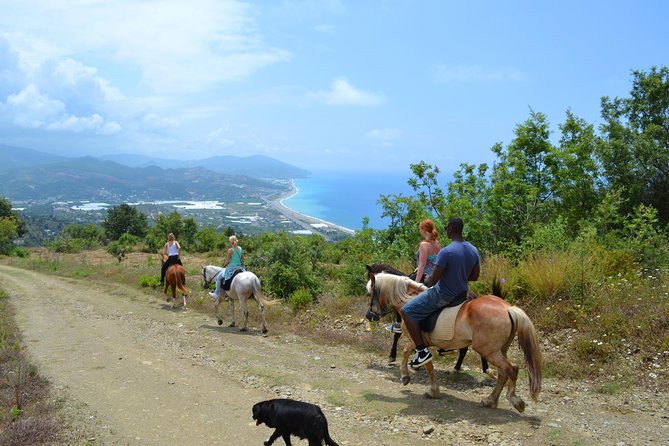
306, 221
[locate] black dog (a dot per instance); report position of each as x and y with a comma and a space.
288, 417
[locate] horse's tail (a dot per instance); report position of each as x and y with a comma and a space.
529, 343
181, 281
497, 287
257, 293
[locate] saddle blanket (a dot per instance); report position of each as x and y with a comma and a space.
444, 329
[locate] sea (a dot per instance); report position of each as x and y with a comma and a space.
344, 199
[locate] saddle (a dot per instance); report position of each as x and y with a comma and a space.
428, 324
227, 283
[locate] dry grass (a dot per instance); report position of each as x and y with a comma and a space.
28, 416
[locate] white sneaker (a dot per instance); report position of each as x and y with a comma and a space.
213, 295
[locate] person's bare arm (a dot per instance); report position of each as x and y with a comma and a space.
435, 276
422, 260
474, 276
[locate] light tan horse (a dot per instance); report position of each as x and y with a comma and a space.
175, 278
487, 323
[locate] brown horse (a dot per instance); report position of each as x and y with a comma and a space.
376, 268
175, 278
487, 323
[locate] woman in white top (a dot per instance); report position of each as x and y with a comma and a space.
170, 256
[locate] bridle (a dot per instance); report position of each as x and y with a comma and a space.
205, 280
373, 300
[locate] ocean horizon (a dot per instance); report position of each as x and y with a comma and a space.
344, 199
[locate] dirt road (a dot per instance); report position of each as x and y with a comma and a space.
132, 371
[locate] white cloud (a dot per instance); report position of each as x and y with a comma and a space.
341, 92
34, 110
477, 73
176, 46
385, 137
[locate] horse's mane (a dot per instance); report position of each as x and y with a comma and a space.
377, 268
395, 287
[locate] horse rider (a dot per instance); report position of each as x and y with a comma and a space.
170, 256
233, 262
456, 264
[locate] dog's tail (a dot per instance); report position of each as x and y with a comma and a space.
329, 441
326, 435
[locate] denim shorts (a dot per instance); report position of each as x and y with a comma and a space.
426, 303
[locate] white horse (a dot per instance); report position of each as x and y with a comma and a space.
244, 285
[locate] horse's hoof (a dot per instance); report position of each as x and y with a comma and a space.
429, 396
519, 405
243, 329
220, 322
264, 330
232, 324
406, 380
488, 403
391, 360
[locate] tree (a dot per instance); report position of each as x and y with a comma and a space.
575, 170
521, 193
634, 149
125, 244
11, 225
164, 224
124, 219
468, 197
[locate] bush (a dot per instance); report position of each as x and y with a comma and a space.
19, 252
300, 299
149, 281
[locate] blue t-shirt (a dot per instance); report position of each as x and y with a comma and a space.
458, 260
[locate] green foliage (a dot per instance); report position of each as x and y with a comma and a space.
17, 251
647, 243
291, 263
149, 281
165, 224
125, 244
124, 219
77, 238
8, 232
300, 299
633, 149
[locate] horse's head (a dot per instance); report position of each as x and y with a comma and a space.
376, 308
209, 273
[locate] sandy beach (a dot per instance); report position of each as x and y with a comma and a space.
309, 223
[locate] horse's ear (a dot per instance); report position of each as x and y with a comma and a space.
369, 269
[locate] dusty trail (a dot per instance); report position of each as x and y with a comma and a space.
137, 372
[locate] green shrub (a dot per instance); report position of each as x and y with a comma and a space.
300, 299
19, 252
149, 281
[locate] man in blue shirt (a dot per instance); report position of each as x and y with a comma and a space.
456, 264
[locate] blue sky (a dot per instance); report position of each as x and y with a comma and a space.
324, 85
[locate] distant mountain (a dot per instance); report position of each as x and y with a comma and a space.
12, 158
255, 166
99, 180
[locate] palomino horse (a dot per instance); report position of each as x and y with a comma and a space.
487, 323
376, 268
175, 278
244, 285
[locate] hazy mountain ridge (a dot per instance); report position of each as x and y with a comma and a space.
255, 166
93, 179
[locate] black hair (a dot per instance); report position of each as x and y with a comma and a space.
456, 224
